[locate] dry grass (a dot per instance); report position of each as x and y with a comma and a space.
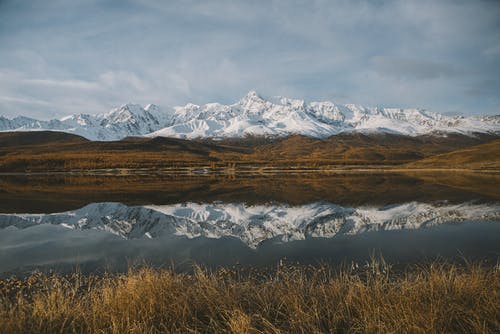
426, 299
56, 152
485, 157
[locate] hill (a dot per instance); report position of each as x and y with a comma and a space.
485, 157
42, 152
37, 138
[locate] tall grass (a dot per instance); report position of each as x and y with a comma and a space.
434, 298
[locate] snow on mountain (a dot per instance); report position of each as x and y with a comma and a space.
253, 224
128, 120
253, 115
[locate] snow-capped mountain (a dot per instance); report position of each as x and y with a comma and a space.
128, 120
253, 224
253, 115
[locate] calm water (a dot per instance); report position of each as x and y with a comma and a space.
99, 223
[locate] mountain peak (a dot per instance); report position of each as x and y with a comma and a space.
294, 103
132, 108
252, 96
253, 115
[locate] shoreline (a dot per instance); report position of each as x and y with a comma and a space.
256, 171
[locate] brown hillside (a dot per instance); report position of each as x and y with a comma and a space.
23, 138
52, 151
358, 148
485, 156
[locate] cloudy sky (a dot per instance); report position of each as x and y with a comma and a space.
62, 57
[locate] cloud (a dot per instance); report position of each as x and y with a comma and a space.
58, 84
89, 56
51, 97
412, 68
122, 80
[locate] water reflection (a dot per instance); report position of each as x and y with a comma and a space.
58, 193
254, 224
60, 222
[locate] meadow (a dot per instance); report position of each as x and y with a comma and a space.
372, 298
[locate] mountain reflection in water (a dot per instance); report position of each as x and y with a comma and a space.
57, 223
253, 224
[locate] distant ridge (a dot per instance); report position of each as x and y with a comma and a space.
30, 138
254, 116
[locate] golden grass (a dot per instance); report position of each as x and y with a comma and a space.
481, 157
426, 299
50, 152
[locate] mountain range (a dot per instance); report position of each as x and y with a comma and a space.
254, 116
254, 224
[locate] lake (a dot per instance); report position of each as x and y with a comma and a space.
100, 223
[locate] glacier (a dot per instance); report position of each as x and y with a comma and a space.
254, 116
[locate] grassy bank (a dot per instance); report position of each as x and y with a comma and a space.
425, 299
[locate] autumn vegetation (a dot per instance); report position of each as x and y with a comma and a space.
432, 298
23, 152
